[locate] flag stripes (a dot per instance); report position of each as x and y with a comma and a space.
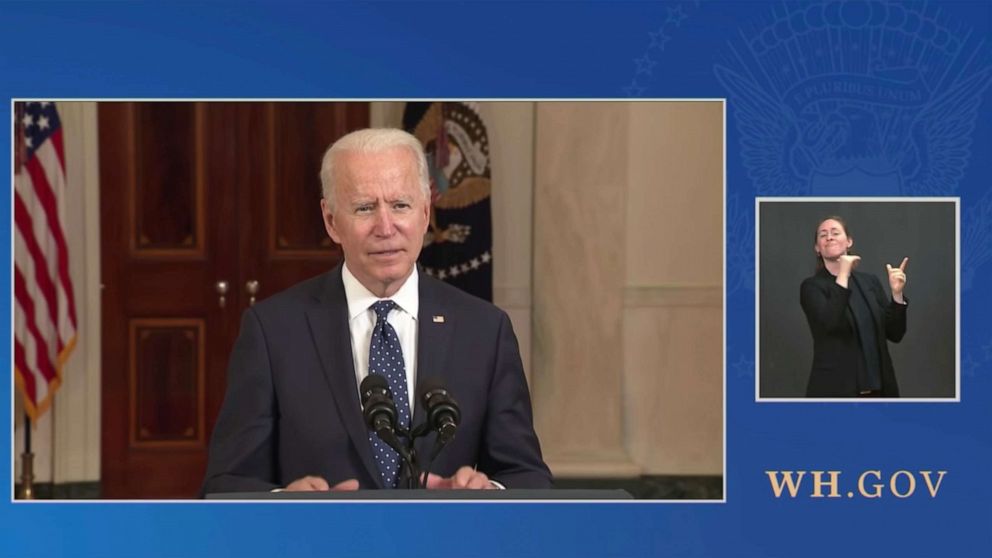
45, 309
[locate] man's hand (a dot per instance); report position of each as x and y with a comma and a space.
466, 477
318, 484
897, 279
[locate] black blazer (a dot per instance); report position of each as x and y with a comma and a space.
292, 406
836, 348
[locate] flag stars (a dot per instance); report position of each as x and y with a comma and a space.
28, 121
459, 268
43, 122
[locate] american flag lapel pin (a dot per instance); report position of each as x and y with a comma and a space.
439, 319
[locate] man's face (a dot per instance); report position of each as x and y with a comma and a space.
832, 241
380, 216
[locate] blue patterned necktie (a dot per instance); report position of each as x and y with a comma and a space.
386, 360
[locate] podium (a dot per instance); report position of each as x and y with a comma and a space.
432, 495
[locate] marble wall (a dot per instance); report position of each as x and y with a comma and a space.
628, 316
673, 300
579, 262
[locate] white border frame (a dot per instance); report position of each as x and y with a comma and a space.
721, 100
866, 400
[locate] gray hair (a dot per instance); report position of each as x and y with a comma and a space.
373, 140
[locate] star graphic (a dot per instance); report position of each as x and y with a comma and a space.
486, 257
43, 122
632, 90
27, 120
744, 367
969, 365
644, 64
658, 39
676, 16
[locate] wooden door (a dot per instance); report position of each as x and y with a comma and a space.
193, 194
289, 241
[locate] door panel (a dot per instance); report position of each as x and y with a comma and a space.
166, 376
167, 187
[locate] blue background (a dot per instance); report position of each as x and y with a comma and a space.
748, 52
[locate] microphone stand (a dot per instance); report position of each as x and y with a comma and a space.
422, 431
409, 471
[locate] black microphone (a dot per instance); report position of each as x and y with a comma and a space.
378, 408
443, 414
379, 411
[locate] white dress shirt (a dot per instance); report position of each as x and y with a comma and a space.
403, 318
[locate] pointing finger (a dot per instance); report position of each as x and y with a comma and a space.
902, 266
888, 268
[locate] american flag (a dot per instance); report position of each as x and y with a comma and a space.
45, 309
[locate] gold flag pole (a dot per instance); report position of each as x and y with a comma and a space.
26, 492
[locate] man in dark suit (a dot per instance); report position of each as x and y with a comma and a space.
292, 417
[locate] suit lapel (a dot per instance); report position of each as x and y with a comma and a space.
332, 338
433, 337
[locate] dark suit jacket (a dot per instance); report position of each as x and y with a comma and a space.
292, 406
836, 348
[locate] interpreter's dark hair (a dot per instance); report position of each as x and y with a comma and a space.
816, 233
